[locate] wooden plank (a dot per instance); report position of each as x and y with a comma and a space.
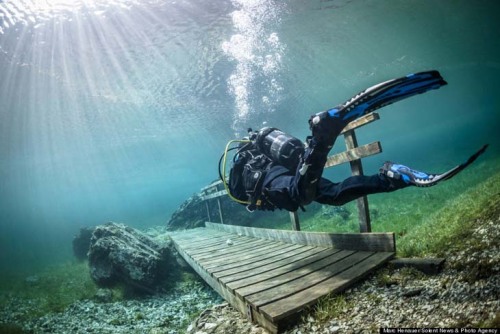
430, 266
226, 252
202, 237
237, 303
251, 274
376, 242
240, 260
196, 245
276, 255
211, 185
200, 245
193, 242
205, 234
275, 288
287, 306
279, 273
354, 154
221, 247
214, 195
193, 232
359, 122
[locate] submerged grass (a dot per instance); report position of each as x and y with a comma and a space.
51, 290
435, 228
421, 218
331, 306
447, 228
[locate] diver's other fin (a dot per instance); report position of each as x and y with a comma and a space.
386, 93
422, 179
454, 171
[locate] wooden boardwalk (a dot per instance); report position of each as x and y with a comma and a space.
271, 275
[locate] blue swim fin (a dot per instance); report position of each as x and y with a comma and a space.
383, 94
422, 179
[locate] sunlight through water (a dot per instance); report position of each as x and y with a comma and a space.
258, 52
118, 110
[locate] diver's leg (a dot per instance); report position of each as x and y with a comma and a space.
313, 161
327, 125
354, 187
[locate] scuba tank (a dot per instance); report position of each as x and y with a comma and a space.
255, 154
280, 147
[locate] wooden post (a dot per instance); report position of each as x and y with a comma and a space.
220, 210
218, 203
294, 218
357, 169
208, 210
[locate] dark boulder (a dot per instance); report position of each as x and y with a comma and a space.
120, 254
81, 242
191, 214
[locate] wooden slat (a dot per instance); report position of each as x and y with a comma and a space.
283, 273
197, 233
307, 281
354, 154
234, 251
359, 122
197, 245
252, 256
276, 256
376, 242
221, 247
214, 195
277, 287
195, 241
212, 185
288, 306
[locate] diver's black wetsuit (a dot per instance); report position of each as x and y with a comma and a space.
290, 190
260, 179
284, 191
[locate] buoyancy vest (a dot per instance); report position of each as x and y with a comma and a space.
246, 179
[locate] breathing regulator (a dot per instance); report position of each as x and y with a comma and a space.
281, 148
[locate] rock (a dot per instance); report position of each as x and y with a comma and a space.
191, 214
121, 254
413, 292
81, 242
104, 295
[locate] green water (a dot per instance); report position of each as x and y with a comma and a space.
120, 110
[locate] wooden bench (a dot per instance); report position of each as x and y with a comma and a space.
353, 155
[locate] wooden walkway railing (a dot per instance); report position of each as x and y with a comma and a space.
353, 155
272, 275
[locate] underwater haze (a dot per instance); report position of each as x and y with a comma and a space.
118, 110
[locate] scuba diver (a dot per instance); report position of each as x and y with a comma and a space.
272, 169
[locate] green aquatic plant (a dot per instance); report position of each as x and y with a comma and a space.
448, 228
423, 219
51, 290
11, 329
330, 306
